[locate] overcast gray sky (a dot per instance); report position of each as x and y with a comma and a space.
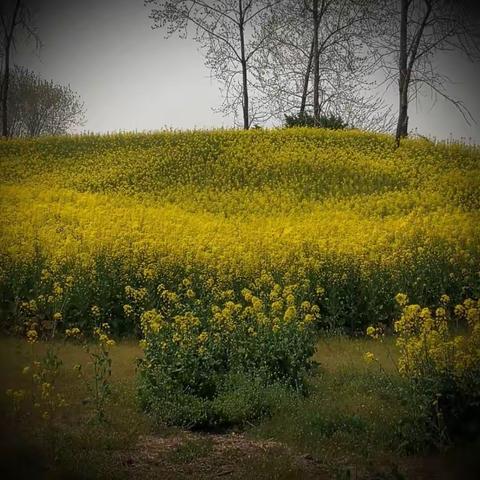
132, 78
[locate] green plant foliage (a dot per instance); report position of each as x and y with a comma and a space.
218, 369
331, 122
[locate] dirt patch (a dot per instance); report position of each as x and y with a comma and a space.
201, 456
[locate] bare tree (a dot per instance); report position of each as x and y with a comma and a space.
15, 16
231, 33
409, 35
317, 62
40, 107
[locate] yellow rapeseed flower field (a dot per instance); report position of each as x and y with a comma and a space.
341, 216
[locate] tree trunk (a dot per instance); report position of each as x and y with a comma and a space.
246, 119
316, 63
306, 81
7, 40
5, 85
402, 124
403, 81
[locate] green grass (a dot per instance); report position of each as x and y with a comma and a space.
83, 446
350, 420
353, 408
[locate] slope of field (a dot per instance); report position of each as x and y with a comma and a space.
343, 217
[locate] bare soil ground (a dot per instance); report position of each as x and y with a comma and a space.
231, 456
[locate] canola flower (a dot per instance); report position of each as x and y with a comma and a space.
125, 222
429, 345
368, 357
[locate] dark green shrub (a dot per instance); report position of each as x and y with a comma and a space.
331, 122
239, 400
220, 369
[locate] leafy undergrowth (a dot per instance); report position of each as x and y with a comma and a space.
352, 423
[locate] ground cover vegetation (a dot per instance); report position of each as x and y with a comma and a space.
227, 254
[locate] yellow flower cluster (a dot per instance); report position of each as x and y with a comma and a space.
375, 332
428, 344
73, 332
368, 357
269, 330
86, 215
102, 334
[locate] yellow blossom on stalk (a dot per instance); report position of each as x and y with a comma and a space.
371, 331
277, 306
32, 336
57, 289
73, 332
228, 294
368, 357
45, 275
46, 389
290, 314
473, 316
173, 297
95, 311
425, 314
203, 337
469, 303
137, 295
401, 299
320, 291
445, 299
57, 317
459, 311
306, 306
275, 292
308, 318
148, 273
257, 304
247, 294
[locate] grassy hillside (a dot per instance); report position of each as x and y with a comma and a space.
341, 217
